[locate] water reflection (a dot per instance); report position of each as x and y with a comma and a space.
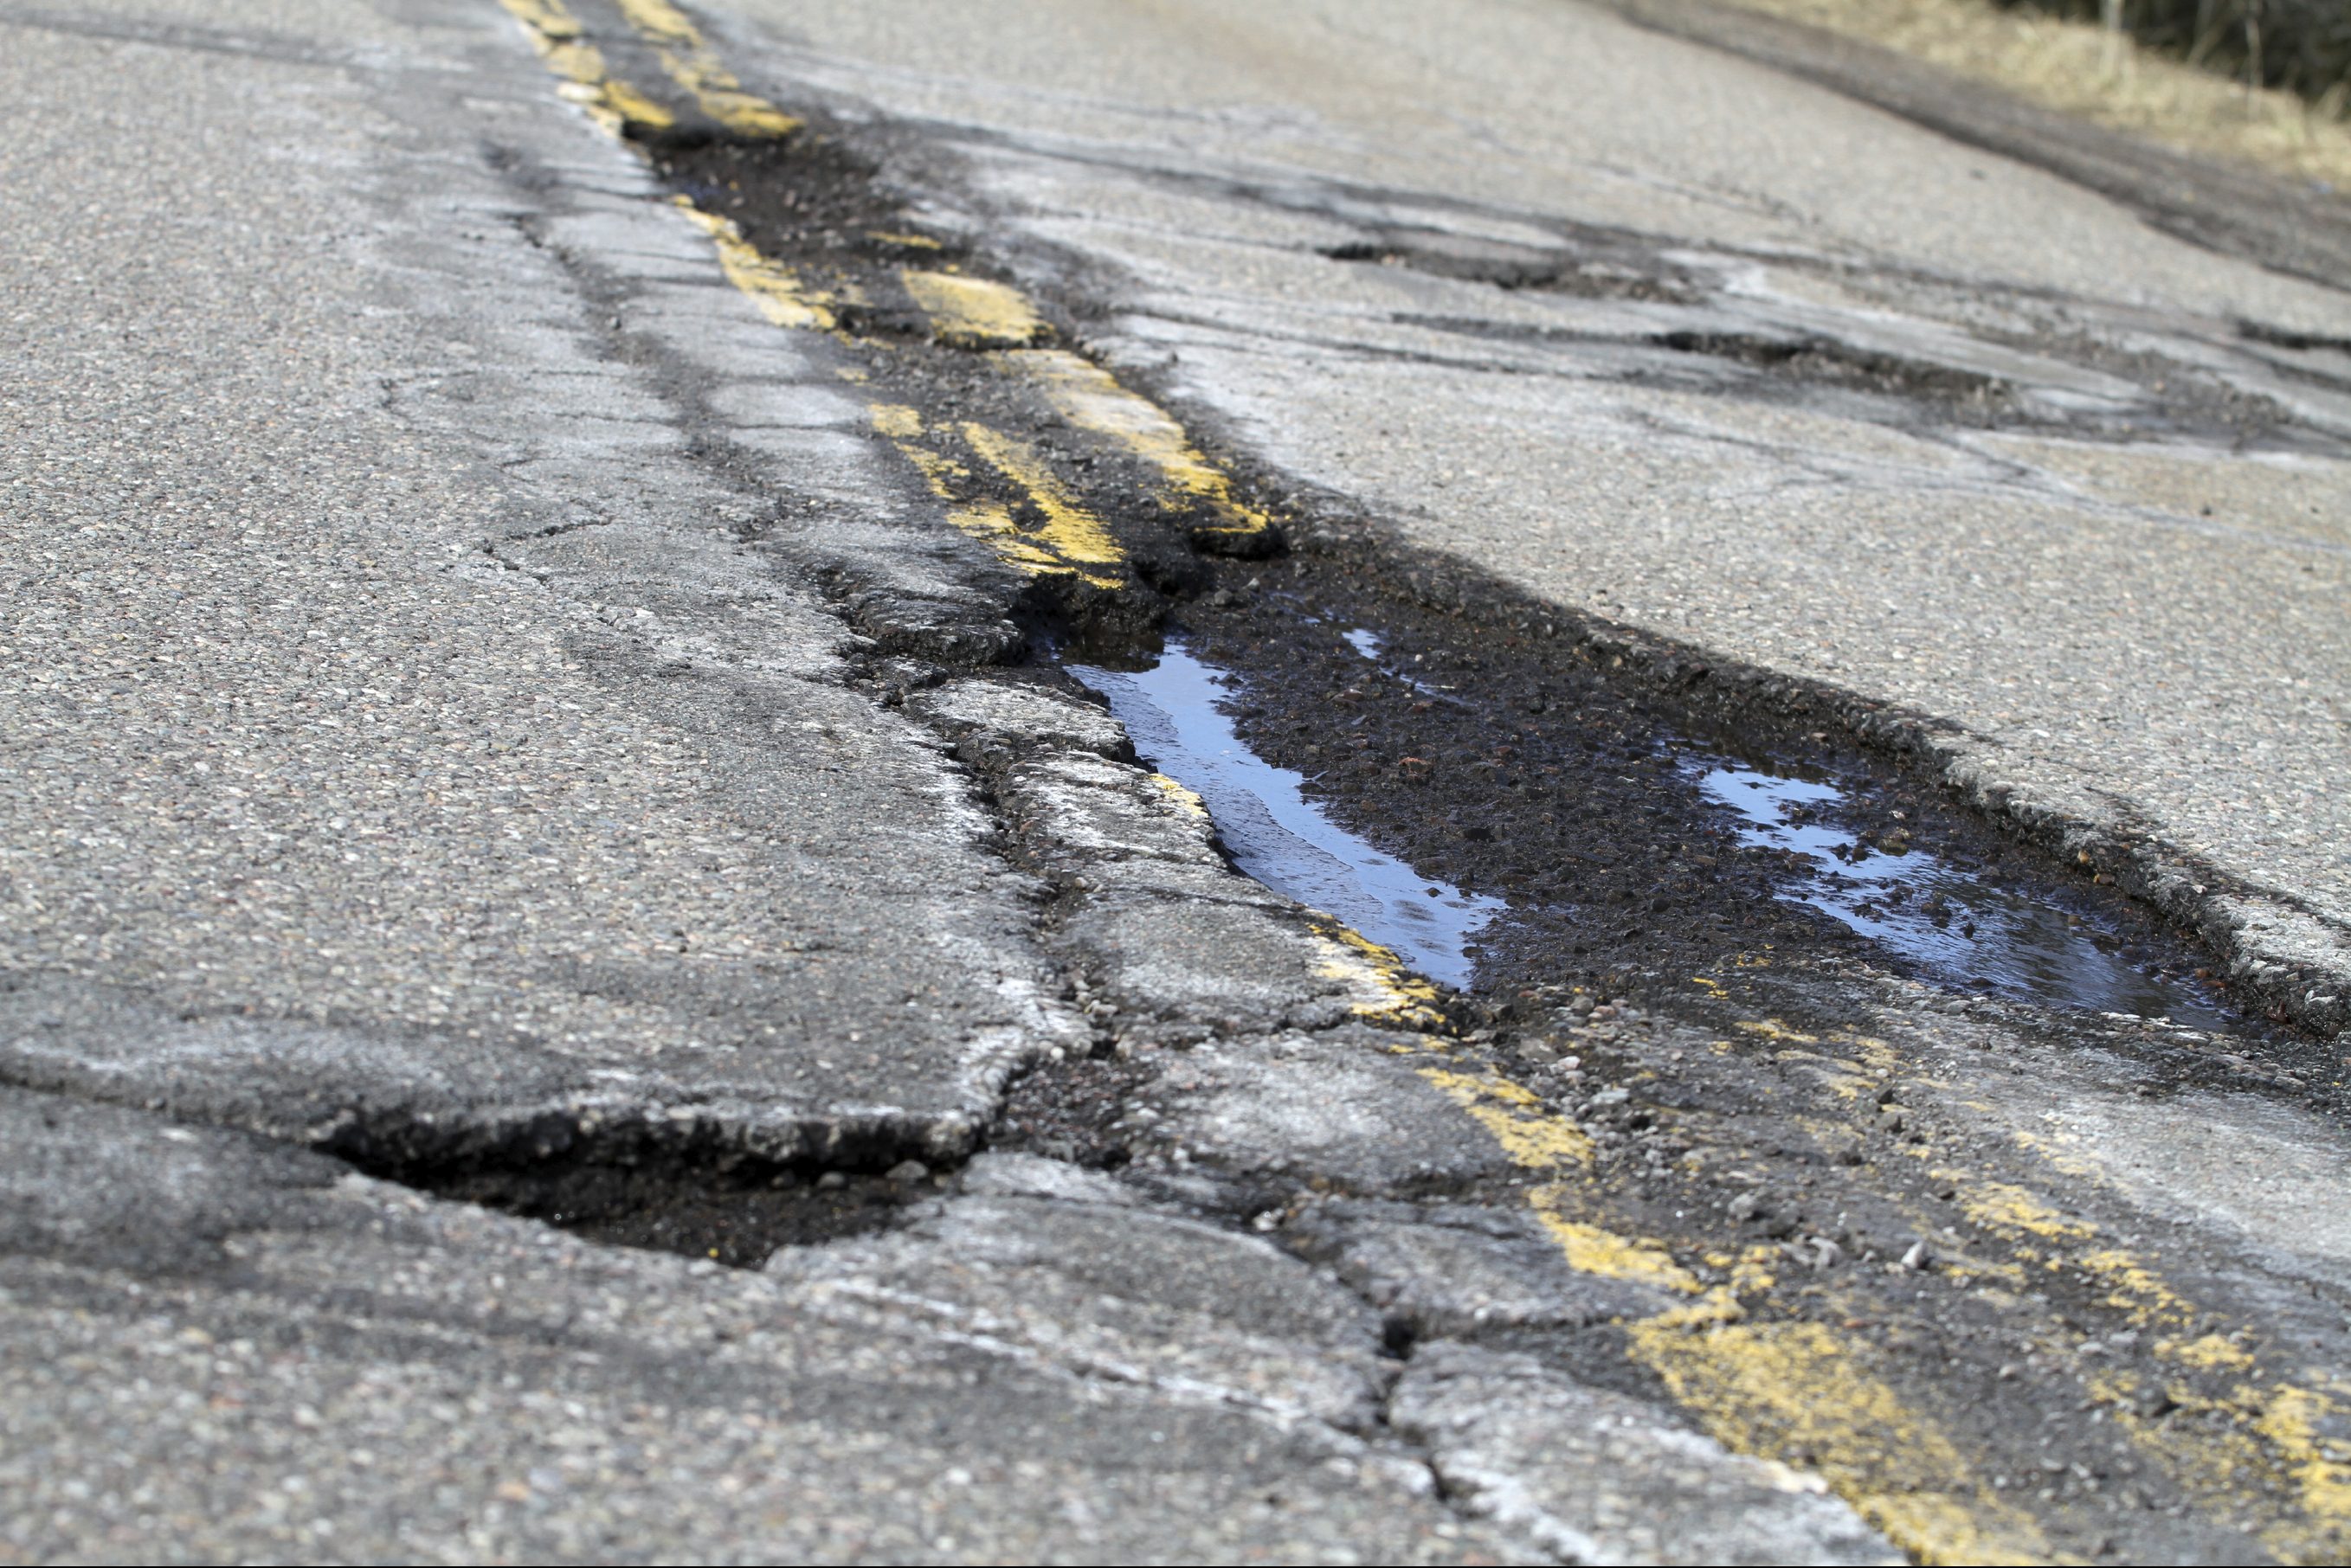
1957, 927
1273, 832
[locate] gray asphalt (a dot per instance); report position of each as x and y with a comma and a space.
2134, 618
480, 696
416, 751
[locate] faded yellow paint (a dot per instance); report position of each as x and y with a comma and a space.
1751, 1275
896, 420
1534, 1136
1796, 1393
2211, 1353
910, 242
1405, 999
776, 289
2291, 1419
1772, 1028
611, 103
1089, 398
2012, 1211
973, 312
990, 523
2244, 1458
2133, 1287
904, 426
1790, 1392
1591, 1250
694, 66
1074, 537
1187, 801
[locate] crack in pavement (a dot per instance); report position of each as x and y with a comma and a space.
1589, 1263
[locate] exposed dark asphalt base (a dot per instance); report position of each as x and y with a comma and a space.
1543, 775
1725, 1116
1541, 778
738, 1213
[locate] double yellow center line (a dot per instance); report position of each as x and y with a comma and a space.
1054, 532
1794, 1390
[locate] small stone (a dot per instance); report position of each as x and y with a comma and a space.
832, 1181
907, 1172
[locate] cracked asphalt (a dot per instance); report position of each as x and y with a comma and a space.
581, 976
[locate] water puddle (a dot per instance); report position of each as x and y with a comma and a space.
1957, 927
1273, 832
1370, 645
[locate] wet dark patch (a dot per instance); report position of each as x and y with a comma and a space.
1175, 714
1501, 745
1510, 747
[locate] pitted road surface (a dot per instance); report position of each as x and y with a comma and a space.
581, 979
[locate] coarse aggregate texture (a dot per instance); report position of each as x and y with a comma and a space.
327, 1368
2111, 563
395, 720
1731, 1242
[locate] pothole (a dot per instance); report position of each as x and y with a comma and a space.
1172, 710
739, 1215
691, 1189
1950, 924
1464, 774
1602, 266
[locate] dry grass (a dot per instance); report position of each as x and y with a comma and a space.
2078, 68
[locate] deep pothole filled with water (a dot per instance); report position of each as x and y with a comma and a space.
1274, 832
1939, 921
1949, 923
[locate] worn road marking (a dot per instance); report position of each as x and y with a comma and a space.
1071, 533
1797, 1393
1089, 398
611, 103
1399, 997
777, 291
2251, 1454
694, 66
973, 312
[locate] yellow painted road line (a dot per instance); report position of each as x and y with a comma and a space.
1089, 398
2251, 1454
776, 288
1533, 1136
694, 66
1793, 1391
1797, 1393
973, 312
1070, 540
611, 103
1072, 535
1400, 997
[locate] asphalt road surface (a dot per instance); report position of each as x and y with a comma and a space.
1517, 781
